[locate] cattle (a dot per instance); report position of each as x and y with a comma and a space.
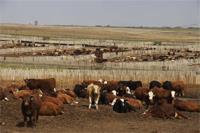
54, 100
107, 97
186, 105
122, 106
179, 87
66, 99
167, 85
154, 84
137, 104
30, 108
141, 93
3, 94
94, 95
96, 82
131, 84
22, 93
70, 93
111, 85
49, 109
80, 90
46, 85
163, 110
157, 94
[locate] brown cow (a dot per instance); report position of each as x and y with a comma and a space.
22, 93
30, 108
137, 104
156, 94
163, 110
49, 109
179, 87
186, 105
46, 85
54, 100
141, 93
66, 99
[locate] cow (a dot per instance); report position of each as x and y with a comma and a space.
163, 110
137, 104
22, 93
179, 87
80, 90
46, 85
141, 93
156, 94
54, 100
154, 84
131, 84
121, 105
167, 85
30, 108
66, 99
186, 105
107, 97
49, 109
94, 94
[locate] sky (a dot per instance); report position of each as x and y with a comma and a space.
153, 13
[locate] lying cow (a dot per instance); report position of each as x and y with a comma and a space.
94, 95
122, 106
46, 85
156, 94
163, 110
186, 105
177, 86
49, 109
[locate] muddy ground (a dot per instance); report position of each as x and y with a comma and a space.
77, 118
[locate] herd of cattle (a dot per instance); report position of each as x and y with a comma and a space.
40, 97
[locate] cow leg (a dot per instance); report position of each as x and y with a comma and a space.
96, 102
90, 102
25, 121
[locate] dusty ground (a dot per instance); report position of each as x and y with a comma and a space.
78, 118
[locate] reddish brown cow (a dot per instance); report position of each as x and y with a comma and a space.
137, 104
47, 86
141, 93
163, 110
179, 87
49, 109
186, 105
53, 100
157, 94
66, 99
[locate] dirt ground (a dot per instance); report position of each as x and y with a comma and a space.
77, 118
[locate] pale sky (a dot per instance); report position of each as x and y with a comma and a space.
184, 13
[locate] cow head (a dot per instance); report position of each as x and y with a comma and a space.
114, 92
151, 96
128, 91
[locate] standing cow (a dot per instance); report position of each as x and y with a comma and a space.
94, 95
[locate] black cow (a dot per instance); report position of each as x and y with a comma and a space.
155, 83
30, 108
121, 106
167, 85
131, 84
80, 90
47, 86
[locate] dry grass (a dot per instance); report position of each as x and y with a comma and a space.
104, 33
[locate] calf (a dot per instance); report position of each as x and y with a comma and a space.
30, 108
94, 95
122, 106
